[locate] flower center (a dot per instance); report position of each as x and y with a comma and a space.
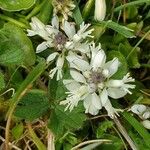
95, 81
96, 77
60, 38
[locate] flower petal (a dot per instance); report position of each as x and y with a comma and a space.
112, 66
110, 110
96, 101
116, 92
41, 47
99, 60
77, 76
77, 63
51, 57
104, 97
71, 85
55, 22
89, 108
69, 29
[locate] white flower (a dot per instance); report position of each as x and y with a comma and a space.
62, 40
94, 77
100, 10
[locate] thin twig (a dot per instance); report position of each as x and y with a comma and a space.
13, 146
51, 144
124, 133
90, 142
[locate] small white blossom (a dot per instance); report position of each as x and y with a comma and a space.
100, 10
63, 40
92, 82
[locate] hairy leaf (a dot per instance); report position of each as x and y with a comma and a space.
16, 5
61, 120
33, 105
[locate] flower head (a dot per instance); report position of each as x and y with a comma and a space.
95, 78
62, 39
63, 7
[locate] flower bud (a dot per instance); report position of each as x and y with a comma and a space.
146, 124
100, 10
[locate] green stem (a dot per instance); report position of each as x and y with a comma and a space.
138, 2
35, 139
26, 84
139, 42
22, 25
35, 10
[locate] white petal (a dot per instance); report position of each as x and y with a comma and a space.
78, 63
112, 66
104, 97
60, 62
52, 56
36, 24
96, 101
55, 22
138, 109
116, 92
69, 29
82, 47
77, 76
41, 47
114, 83
71, 85
99, 60
31, 33
146, 124
110, 110
89, 108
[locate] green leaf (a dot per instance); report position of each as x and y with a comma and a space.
138, 127
33, 75
87, 9
20, 41
132, 61
17, 131
103, 128
2, 82
56, 89
123, 63
61, 120
123, 30
33, 105
10, 53
77, 15
16, 5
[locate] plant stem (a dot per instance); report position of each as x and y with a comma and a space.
138, 2
138, 43
124, 133
22, 25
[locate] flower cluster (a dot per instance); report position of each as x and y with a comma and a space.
92, 77
143, 112
62, 39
